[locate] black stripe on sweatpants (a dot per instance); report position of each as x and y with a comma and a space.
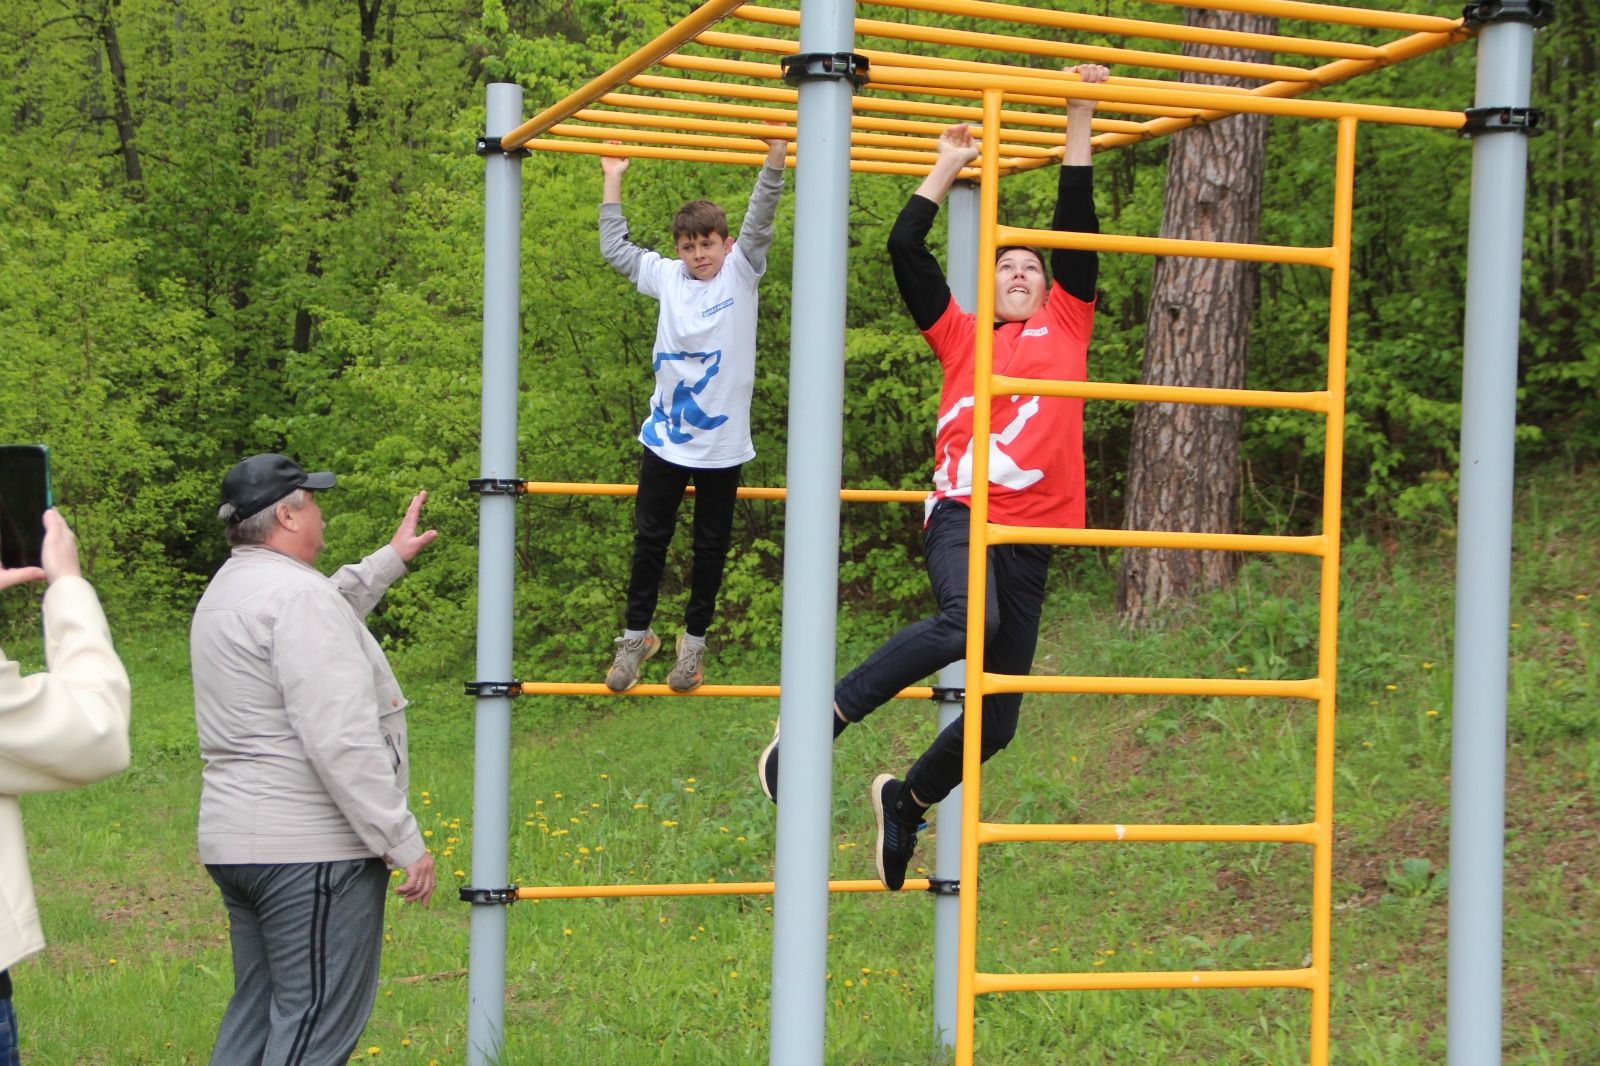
321, 908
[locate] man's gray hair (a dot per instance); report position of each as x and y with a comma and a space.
255, 529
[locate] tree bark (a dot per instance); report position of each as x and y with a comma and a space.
1184, 458
126, 129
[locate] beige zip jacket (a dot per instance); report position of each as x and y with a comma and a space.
302, 724
58, 730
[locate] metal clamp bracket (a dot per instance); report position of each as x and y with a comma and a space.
940, 886
496, 486
493, 689
808, 66
1503, 120
501, 896
1479, 12
942, 694
491, 145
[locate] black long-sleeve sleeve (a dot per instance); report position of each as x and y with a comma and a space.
1078, 271
922, 283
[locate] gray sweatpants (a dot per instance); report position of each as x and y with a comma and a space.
306, 942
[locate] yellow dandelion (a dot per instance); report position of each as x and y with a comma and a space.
427, 832
557, 795
538, 803
691, 780
688, 788
605, 777
1241, 669
1366, 743
739, 839
1427, 666
1432, 713
1516, 625
461, 873
693, 938
447, 852
733, 973
374, 1049
111, 962
722, 829
669, 823
583, 851
1391, 688
849, 982
1581, 597
641, 806
599, 847
405, 1041
527, 823
566, 932
425, 792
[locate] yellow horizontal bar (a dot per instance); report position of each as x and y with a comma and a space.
932, 81
1124, 27
587, 688
945, 114
1149, 538
710, 888
707, 14
1345, 16
1008, 833
706, 155
1112, 390
984, 983
648, 151
1117, 242
744, 492
1231, 687
997, 42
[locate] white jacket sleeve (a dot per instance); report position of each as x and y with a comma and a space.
69, 726
363, 584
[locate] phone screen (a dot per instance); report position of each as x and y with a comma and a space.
24, 498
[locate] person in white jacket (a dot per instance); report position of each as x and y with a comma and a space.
303, 796
60, 729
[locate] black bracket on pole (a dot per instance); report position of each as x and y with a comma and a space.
943, 694
941, 886
491, 145
1479, 12
808, 66
501, 896
496, 486
493, 689
1503, 120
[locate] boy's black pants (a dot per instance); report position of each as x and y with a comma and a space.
655, 516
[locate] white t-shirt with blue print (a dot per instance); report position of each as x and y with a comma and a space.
704, 356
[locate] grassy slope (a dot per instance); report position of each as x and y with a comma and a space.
138, 966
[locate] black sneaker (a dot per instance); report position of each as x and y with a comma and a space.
767, 767
899, 819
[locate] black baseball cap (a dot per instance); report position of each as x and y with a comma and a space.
262, 480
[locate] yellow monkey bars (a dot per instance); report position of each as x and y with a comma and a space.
737, 100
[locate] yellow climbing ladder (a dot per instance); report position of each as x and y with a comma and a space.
1318, 833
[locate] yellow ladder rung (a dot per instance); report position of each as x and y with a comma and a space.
1315, 544
1011, 832
1125, 242
1116, 390
744, 492
1087, 982
1309, 688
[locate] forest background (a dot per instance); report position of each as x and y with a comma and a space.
230, 228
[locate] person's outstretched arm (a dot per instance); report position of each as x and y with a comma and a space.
755, 232
1076, 270
623, 255
922, 283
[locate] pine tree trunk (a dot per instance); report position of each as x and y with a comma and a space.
1184, 459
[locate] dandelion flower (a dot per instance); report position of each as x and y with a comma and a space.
1391, 688
1432, 713
1427, 666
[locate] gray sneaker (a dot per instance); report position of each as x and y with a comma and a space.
686, 675
631, 654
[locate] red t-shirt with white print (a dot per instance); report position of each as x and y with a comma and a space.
1035, 442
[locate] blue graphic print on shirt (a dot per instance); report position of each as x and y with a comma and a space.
685, 408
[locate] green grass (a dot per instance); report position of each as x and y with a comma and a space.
662, 790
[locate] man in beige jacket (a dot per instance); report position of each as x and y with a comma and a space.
303, 804
58, 730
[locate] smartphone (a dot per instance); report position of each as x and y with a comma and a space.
24, 498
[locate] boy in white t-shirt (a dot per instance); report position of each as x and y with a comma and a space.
698, 427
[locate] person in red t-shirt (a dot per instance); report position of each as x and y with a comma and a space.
1035, 473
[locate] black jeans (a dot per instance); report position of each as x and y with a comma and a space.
655, 516
1016, 577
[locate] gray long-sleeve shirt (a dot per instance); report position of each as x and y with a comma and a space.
705, 344
302, 724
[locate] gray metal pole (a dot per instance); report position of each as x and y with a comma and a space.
961, 269
1483, 553
811, 546
502, 231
